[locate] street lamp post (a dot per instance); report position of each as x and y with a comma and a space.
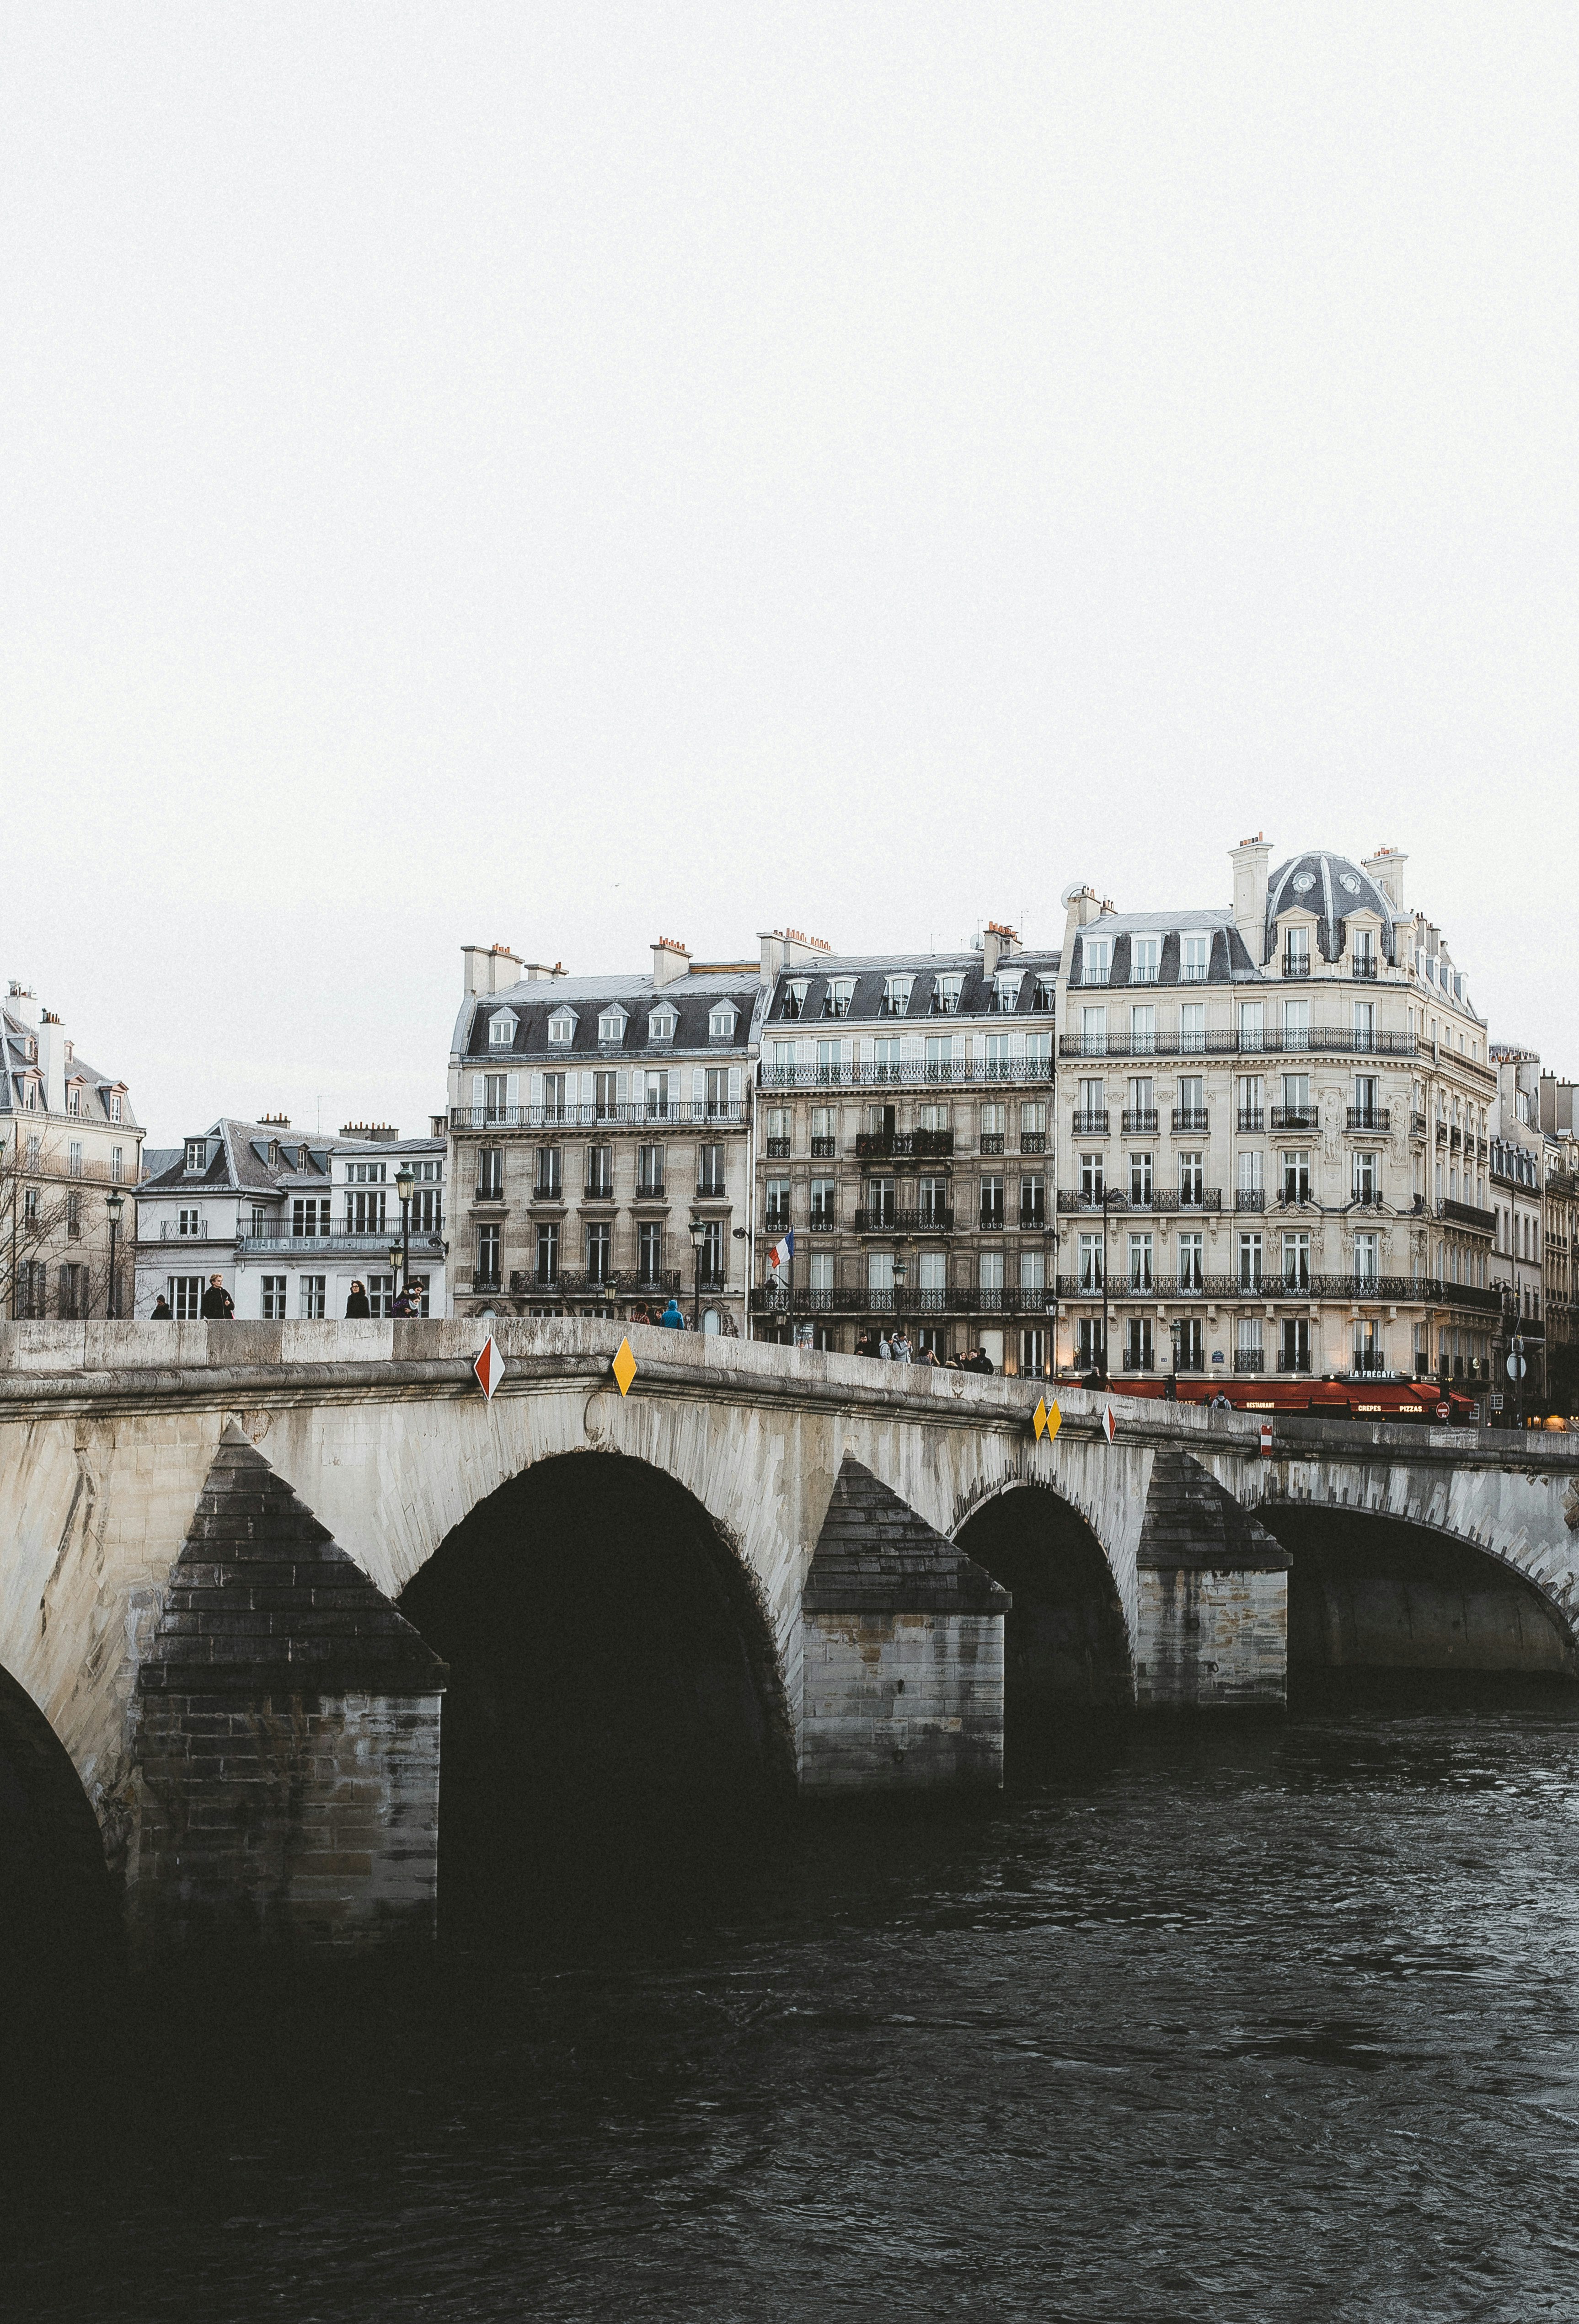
902, 1268
1176, 1327
404, 1182
115, 1204
698, 1236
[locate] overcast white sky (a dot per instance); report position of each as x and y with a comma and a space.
558, 475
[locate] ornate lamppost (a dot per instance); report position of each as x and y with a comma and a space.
115, 1204
404, 1182
698, 1236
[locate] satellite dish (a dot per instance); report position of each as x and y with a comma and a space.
1075, 888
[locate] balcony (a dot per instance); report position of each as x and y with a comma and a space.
722, 1111
1366, 1363
1365, 966
1089, 1125
632, 1283
1137, 1359
1370, 1120
650, 1190
1297, 965
775, 1219
1294, 1117
1139, 1122
909, 1299
1417, 1125
1033, 1141
1163, 1200
1250, 1360
891, 1145
992, 1142
598, 1190
957, 1072
1336, 1040
778, 1149
1190, 1121
1293, 1360
176, 1230
876, 1218
1467, 1214
336, 1245
1250, 1198
821, 1222
1252, 1118
1033, 1218
823, 1149
990, 1218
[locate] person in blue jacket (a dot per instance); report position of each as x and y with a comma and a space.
672, 1319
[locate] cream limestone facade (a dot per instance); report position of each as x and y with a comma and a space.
69, 1162
1273, 1133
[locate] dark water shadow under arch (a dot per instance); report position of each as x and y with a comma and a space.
1066, 1643
615, 1713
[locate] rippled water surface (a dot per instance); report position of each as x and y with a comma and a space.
1211, 2021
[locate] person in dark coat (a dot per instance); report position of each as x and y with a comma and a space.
410, 1302
356, 1304
161, 1313
219, 1307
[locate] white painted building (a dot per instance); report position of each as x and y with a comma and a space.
288, 1222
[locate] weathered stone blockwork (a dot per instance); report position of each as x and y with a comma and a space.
902, 1651
1212, 1618
287, 1755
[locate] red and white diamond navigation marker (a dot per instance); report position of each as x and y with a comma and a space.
489, 1368
1109, 1424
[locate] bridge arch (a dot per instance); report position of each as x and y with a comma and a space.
1066, 1639
1375, 1585
56, 1896
613, 1669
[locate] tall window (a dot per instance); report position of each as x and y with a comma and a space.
1138, 1344
713, 1251
1252, 1101
1364, 1023
487, 1266
1196, 955
1192, 1103
1092, 1265
310, 1217
1143, 958
896, 995
1191, 1262
490, 1173
885, 1059
548, 1183
1000, 1067
1094, 1031
932, 1199
1366, 1247
1297, 1177
649, 1250
605, 1094
824, 1200
599, 1251
777, 1211
553, 1097
839, 994
1294, 1356
946, 992
74, 1157
1143, 1029
1140, 1263
117, 1165
1251, 1028
495, 1095
274, 1308
1192, 1028
1091, 1178
548, 1252
1093, 1104
186, 1298
1297, 1024
1249, 1262
1191, 1178
1249, 1353
1140, 1177
600, 1173
1296, 1261
74, 1098
1364, 1177
1096, 954
990, 1278
1297, 951
709, 1169
311, 1295
992, 1201
115, 1105
648, 1172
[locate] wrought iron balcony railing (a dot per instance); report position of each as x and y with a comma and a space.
1089, 1125
894, 1145
653, 1112
910, 1073
1139, 1122
1338, 1040
1372, 1118
1294, 1117
1190, 1121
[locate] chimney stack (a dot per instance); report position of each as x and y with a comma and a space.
999, 942
669, 959
1249, 859
1385, 867
1081, 907
52, 1047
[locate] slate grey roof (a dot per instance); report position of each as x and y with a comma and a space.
1332, 888
534, 1001
15, 1035
240, 1163
1227, 960
977, 992
876, 1555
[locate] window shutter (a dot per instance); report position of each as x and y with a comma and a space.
512, 1089
805, 1055
476, 1089
622, 1086
734, 1085
910, 1048
587, 1090
847, 1053
698, 1091
534, 1089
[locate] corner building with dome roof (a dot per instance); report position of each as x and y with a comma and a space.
1273, 1133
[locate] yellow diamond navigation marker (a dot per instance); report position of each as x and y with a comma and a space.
1055, 1421
624, 1367
1039, 1418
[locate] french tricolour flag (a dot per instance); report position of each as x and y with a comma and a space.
780, 1252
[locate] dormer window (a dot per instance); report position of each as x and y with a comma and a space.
722, 1022
74, 1098
946, 992
561, 1028
1046, 993
1195, 959
30, 1049
114, 1103
611, 1027
197, 1153
896, 995
1009, 994
1143, 959
836, 1000
1096, 960
795, 999
1297, 951
660, 1025
502, 1026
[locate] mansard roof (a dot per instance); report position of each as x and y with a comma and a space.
870, 973
1332, 888
532, 1002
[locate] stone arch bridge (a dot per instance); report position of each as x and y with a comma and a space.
208, 1533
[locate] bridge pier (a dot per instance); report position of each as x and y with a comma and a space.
286, 1763
1212, 1598
903, 1652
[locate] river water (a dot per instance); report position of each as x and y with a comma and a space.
1204, 2020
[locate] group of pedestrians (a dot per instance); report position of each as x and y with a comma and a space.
894, 1348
